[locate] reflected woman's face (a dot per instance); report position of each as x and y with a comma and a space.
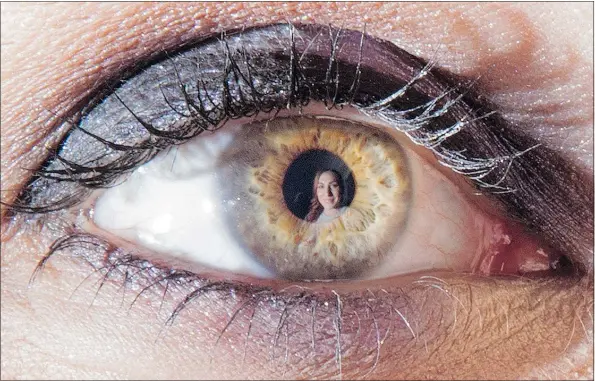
328, 190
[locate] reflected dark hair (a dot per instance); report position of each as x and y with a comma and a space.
316, 208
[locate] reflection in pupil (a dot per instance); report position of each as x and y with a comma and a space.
326, 204
318, 186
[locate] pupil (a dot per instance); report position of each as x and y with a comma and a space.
299, 180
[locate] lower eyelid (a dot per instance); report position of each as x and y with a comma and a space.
411, 322
393, 328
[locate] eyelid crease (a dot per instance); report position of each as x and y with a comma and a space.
464, 132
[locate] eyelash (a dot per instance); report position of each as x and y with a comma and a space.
487, 172
461, 134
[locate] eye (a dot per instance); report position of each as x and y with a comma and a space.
244, 190
343, 81
284, 71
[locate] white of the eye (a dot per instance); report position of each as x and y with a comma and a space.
173, 205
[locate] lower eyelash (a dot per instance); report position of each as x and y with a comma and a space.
121, 266
320, 321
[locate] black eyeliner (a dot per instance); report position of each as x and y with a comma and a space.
261, 70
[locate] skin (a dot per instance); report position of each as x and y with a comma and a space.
328, 192
535, 62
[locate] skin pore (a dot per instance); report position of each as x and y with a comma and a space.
535, 61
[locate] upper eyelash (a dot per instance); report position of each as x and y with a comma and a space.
250, 101
419, 99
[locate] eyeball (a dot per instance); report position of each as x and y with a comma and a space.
301, 234
246, 200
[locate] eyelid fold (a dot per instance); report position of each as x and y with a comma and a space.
275, 67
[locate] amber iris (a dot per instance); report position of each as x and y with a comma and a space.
348, 245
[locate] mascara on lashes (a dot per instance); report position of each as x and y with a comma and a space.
262, 70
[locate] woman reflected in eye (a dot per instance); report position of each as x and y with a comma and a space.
327, 197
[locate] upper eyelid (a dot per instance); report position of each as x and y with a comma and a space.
105, 52
110, 87
111, 54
